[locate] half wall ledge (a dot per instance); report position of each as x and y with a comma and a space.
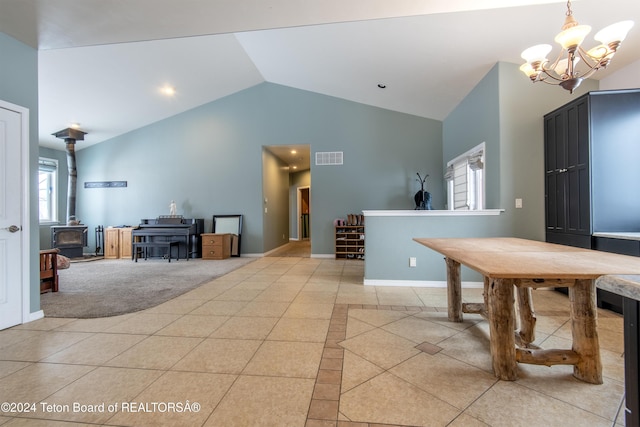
401, 213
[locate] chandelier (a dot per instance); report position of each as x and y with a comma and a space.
565, 71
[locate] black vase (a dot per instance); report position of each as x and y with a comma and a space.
423, 200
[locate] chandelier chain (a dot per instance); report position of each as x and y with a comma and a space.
569, 11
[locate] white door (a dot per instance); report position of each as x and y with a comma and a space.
11, 286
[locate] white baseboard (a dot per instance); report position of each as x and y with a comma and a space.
253, 255
419, 283
256, 255
36, 315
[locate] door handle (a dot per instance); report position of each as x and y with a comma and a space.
12, 228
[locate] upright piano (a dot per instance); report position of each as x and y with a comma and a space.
172, 227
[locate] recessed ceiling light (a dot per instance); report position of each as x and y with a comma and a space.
295, 167
293, 151
168, 90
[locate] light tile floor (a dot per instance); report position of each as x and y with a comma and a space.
297, 342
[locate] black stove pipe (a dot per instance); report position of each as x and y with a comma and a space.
70, 137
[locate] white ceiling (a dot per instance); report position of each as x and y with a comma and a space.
102, 62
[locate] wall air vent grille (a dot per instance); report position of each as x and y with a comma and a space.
328, 158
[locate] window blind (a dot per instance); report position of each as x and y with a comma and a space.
47, 165
460, 192
464, 176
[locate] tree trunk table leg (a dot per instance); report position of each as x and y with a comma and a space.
527, 316
454, 290
501, 323
485, 293
582, 297
515, 312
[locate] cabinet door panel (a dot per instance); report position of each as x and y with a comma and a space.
617, 246
555, 166
112, 243
560, 140
551, 202
550, 144
578, 207
556, 202
578, 135
125, 243
578, 190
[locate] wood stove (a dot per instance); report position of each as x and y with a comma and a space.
70, 239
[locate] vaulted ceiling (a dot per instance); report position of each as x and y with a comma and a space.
102, 63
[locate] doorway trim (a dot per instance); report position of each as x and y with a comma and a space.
25, 192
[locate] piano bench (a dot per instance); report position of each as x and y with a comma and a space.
145, 246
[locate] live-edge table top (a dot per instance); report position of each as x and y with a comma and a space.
514, 258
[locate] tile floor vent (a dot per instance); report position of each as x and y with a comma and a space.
328, 158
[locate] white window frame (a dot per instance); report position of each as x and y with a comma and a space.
48, 189
465, 184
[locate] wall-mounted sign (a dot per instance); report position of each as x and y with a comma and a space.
105, 184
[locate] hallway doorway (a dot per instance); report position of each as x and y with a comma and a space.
287, 198
295, 248
304, 213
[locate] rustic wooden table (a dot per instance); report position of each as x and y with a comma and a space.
524, 264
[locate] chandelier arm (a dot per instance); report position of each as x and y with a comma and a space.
589, 60
588, 73
555, 63
549, 73
548, 70
544, 80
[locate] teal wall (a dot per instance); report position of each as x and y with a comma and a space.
522, 107
389, 244
474, 121
19, 86
505, 110
210, 160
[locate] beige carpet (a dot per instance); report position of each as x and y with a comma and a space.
105, 288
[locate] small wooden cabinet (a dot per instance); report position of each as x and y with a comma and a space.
125, 242
117, 242
111, 243
216, 246
349, 241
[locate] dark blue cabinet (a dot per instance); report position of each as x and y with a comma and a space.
592, 153
592, 158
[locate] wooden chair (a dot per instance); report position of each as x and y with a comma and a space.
49, 270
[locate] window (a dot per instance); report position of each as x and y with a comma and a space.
465, 180
48, 189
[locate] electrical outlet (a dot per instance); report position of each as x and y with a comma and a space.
412, 261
